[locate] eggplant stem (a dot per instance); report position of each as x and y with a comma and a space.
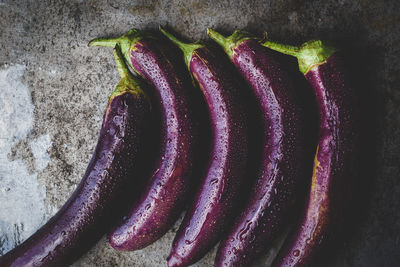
225, 42
120, 62
217, 37
187, 48
175, 40
126, 41
229, 43
106, 42
285, 49
309, 55
128, 82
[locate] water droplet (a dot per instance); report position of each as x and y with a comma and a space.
296, 253
111, 131
117, 119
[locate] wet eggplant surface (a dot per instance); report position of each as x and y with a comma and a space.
54, 90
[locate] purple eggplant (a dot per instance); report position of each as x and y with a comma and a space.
115, 164
283, 156
164, 199
215, 202
335, 159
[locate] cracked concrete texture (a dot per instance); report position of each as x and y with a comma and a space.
69, 84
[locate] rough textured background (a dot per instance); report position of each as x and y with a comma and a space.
53, 92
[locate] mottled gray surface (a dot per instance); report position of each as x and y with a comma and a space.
69, 84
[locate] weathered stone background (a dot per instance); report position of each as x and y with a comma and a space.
53, 92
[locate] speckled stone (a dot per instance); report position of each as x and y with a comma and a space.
69, 84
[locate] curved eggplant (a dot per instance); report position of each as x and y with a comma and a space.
214, 205
89, 212
335, 158
283, 159
167, 191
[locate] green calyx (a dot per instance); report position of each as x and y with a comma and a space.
125, 42
187, 49
128, 82
229, 43
309, 54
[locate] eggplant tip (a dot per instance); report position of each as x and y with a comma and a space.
174, 260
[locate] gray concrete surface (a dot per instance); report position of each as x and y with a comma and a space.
53, 92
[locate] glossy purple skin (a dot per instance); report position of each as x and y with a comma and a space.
215, 201
333, 165
282, 163
163, 200
90, 211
